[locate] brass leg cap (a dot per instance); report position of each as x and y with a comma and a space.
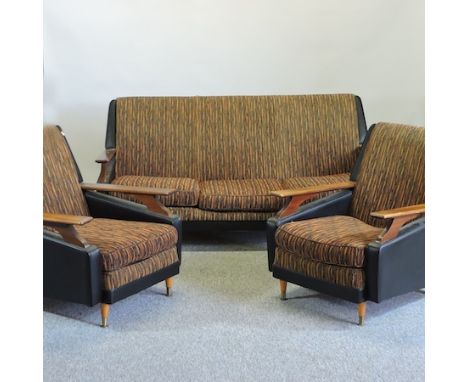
104, 323
361, 321
168, 292
282, 296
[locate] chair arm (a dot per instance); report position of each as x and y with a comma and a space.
400, 217
64, 225
298, 196
144, 195
335, 204
106, 156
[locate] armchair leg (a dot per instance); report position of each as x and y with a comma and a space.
283, 285
104, 315
361, 308
169, 285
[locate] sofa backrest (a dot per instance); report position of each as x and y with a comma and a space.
237, 137
61, 181
390, 171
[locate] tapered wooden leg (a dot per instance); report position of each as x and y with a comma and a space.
283, 285
169, 285
361, 309
104, 314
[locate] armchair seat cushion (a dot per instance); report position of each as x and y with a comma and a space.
185, 196
240, 195
336, 240
122, 243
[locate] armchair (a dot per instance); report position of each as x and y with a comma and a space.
365, 242
98, 248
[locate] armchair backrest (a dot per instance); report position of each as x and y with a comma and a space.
390, 171
237, 137
61, 183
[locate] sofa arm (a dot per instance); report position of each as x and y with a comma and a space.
70, 272
396, 266
335, 204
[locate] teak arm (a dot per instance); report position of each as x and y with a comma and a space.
64, 224
300, 195
144, 195
400, 217
106, 164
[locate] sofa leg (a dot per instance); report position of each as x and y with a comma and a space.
361, 309
169, 285
104, 315
283, 285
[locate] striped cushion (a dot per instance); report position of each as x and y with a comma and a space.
125, 242
391, 174
236, 137
337, 240
240, 195
185, 196
196, 214
335, 274
136, 271
61, 187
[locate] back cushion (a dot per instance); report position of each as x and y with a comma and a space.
391, 174
236, 137
61, 189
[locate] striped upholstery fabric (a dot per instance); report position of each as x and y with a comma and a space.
136, 271
240, 195
344, 276
236, 137
125, 242
196, 214
61, 189
336, 240
391, 173
186, 195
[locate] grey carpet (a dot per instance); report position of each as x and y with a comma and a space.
226, 323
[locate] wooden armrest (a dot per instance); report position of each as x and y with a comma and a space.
399, 212
63, 219
106, 156
400, 217
105, 187
313, 189
64, 225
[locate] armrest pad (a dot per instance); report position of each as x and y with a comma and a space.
106, 156
399, 212
313, 189
126, 189
50, 218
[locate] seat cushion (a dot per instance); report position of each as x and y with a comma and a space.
185, 196
117, 278
122, 243
335, 274
240, 195
337, 240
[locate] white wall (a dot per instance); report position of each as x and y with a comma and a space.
95, 51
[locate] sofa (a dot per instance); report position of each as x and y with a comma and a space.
224, 154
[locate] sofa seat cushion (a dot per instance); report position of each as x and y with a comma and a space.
337, 240
240, 195
307, 181
122, 243
335, 274
136, 271
185, 196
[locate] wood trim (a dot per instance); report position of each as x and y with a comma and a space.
293, 205
105, 187
51, 218
71, 235
153, 204
394, 229
313, 189
106, 156
399, 212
